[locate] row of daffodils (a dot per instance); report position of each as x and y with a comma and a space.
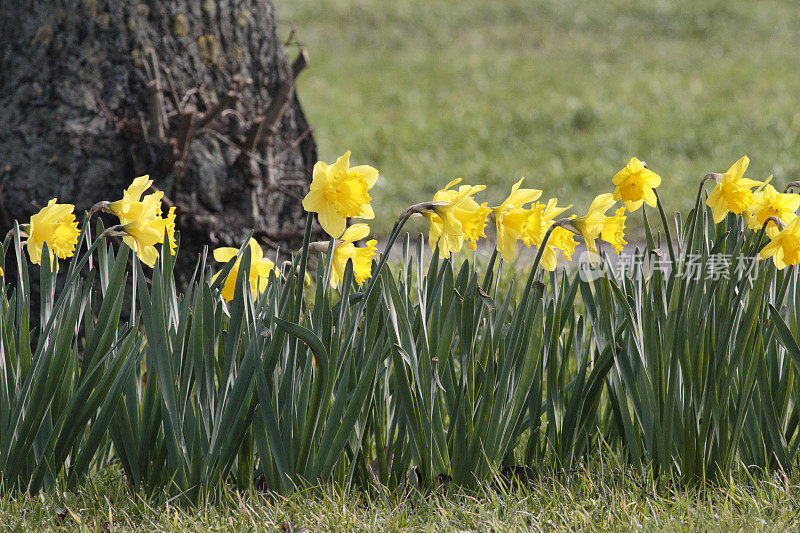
340, 192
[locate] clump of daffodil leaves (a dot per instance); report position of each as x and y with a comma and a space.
417, 372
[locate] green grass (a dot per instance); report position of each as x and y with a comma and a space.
597, 498
563, 92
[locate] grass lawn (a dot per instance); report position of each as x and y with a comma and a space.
600, 498
563, 92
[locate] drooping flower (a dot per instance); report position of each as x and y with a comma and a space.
732, 192
784, 248
258, 276
613, 231
510, 216
145, 228
539, 219
142, 236
590, 226
461, 219
768, 202
635, 184
345, 250
560, 239
55, 225
127, 209
339, 191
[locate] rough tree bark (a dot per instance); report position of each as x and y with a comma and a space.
198, 94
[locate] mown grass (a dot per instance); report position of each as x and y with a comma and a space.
599, 497
560, 91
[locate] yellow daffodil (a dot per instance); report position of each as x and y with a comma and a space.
591, 225
635, 184
345, 250
510, 217
148, 227
767, 202
461, 219
539, 219
260, 268
339, 191
784, 248
613, 231
560, 239
55, 225
127, 209
732, 192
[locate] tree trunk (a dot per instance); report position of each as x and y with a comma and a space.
197, 94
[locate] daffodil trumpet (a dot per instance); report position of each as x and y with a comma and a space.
565, 223
784, 247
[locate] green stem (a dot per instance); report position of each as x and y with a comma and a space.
667, 233
301, 274
398, 226
693, 222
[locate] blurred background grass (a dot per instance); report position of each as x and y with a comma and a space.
562, 92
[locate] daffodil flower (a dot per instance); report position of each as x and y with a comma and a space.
141, 220
460, 219
539, 219
260, 268
148, 228
635, 184
560, 239
510, 216
345, 250
55, 225
339, 191
784, 248
768, 202
591, 225
613, 231
732, 192
127, 209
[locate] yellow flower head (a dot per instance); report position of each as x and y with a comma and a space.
613, 231
509, 218
784, 248
361, 257
768, 202
635, 184
55, 225
539, 219
260, 268
732, 192
560, 239
339, 191
591, 224
145, 227
127, 209
462, 219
